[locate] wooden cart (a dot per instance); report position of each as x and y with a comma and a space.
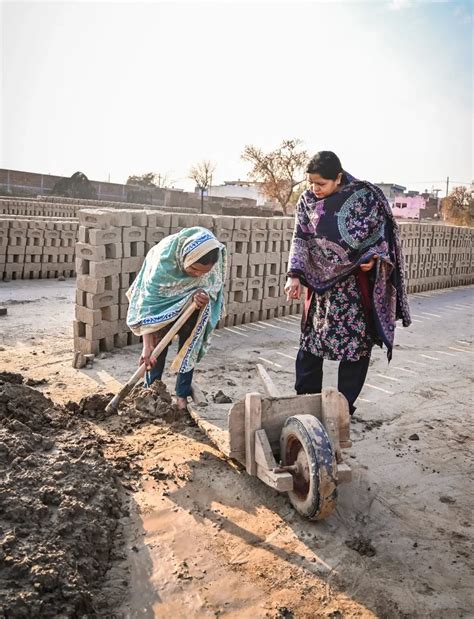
292, 443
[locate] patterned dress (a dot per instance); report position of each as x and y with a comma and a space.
333, 237
336, 326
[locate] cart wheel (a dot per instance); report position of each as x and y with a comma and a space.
304, 442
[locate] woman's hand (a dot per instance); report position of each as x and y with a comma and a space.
292, 288
368, 266
201, 299
149, 344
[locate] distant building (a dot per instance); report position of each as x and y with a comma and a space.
242, 189
408, 207
391, 190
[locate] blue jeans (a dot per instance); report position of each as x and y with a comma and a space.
183, 380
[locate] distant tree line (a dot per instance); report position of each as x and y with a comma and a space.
280, 173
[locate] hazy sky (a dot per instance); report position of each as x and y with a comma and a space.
119, 88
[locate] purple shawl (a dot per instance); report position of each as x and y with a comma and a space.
335, 235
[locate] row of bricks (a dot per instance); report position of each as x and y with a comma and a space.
37, 223
37, 259
116, 315
35, 271
36, 249
117, 297
123, 279
112, 304
40, 211
14, 233
109, 336
245, 317
154, 234
220, 224
106, 344
95, 293
238, 253
269, 263
113, 317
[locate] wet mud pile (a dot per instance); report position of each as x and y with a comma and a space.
143, 405
61, 503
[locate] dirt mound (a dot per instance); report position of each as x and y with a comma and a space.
11, 377
143, 405
60, 504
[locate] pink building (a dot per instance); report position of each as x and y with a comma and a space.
408, 207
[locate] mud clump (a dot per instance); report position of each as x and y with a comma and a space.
60, 508
143, 405
11, 377
362, 545
221, 398
151, 404
92, 406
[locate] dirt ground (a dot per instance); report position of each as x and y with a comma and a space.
203, 539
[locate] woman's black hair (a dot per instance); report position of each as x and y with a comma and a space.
210, 258
326, 163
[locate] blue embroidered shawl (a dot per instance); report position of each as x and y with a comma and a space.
335, 235
162, 289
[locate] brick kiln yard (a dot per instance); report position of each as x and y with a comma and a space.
202, 539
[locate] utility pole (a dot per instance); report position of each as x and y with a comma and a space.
447, 186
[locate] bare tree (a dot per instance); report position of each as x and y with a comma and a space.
279, 171
201, 174
458, 207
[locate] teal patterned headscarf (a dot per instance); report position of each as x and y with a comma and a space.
162, 289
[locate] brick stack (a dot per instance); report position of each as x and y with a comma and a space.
80, 203
258, 260
462, 243
437, 256
410, 239
33, 207
36, 248
110, 252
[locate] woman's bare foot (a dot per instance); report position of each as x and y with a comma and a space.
182, 403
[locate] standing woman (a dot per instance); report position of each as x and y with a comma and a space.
183, 267
346, 252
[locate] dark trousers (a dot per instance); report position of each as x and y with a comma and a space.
183, 380
351, 376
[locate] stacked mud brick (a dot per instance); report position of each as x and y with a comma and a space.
462, 243
109, 253
81, 203
34, 207
36, 248
111, 249
437, 256
258, 251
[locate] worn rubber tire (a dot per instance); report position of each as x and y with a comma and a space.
304, 441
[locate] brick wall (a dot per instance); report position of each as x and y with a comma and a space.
36, 248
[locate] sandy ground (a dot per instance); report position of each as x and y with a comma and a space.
205, 540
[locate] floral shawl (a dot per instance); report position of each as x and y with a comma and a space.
335, 235
162, 289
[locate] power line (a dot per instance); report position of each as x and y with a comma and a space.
442, 181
